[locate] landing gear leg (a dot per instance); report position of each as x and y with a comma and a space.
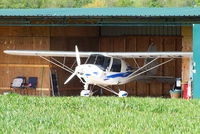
118, 88
101, 92
86, 92
86, 86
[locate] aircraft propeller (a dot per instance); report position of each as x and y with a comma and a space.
78, 60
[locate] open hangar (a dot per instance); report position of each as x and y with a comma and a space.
97, 29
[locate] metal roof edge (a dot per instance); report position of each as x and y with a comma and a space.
103, 12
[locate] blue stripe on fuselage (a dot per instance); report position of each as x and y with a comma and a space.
119, 75
87, 74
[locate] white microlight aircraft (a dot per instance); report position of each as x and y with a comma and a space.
108, 68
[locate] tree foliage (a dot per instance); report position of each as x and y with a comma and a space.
155, 3
96, 3
196, 3
125, 3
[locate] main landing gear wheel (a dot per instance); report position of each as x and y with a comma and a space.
123, 94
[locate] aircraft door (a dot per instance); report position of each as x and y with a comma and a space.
116, 65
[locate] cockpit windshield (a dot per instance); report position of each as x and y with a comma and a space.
99, 60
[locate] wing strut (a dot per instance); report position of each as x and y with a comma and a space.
108, 89
145, 65
132, 76
136, 62
63, 67
62, 64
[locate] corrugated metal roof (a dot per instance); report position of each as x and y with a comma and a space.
108, 11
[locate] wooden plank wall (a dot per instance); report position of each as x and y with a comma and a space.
24, 38
140, 44
187, 47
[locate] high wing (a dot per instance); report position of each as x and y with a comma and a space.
112, 54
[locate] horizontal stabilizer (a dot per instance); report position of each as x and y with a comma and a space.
162, 79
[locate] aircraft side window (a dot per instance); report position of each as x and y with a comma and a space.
100, 60
91, 59
116, 65
106, 63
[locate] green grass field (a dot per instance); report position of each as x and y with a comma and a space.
106, 115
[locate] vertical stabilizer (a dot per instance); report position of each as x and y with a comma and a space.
152, 48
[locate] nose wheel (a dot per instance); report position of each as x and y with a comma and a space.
86, 92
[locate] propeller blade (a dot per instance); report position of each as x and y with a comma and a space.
78, 60
70, 78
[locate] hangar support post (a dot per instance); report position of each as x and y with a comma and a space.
196, 61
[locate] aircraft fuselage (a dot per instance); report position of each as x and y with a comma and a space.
102, 70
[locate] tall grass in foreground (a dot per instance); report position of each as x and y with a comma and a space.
106, 115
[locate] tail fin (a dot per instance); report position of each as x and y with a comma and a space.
152, 48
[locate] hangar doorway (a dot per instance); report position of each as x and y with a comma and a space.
88, 39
